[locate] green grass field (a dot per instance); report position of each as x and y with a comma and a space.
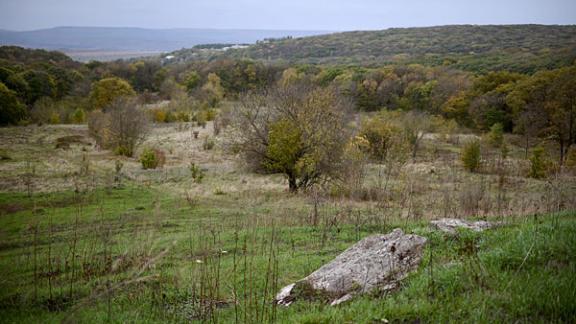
137, 254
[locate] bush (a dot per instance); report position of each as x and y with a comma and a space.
208, 143
152, 159
385, 142
211, 114
159, 115
79, 116
183, 116
471, 156
201, 118
496, 135
54, 118
197, 172
539, 164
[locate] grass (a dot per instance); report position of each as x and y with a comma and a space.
137, 254
158, 246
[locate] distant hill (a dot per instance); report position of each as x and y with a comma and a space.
134, 40
523, 48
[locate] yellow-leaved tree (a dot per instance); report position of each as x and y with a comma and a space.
104, 92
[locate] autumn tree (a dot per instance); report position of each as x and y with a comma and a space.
191, 80
213, 89
487, 97
104, 92
297, 131
121, 127
548, 98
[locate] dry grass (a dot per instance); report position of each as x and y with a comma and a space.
432, 186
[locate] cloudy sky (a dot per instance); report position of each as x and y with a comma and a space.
273, 14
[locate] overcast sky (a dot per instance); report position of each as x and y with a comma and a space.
287, 14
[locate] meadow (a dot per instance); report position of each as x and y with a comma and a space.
87, 236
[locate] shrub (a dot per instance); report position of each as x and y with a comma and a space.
385, 142
197, 172
539, 164
152, 159
211, 114
471, 156
208, 143
496, 135
54, 118
78, 116
201, 118
170, 117
571, 157
183, 116
159, 115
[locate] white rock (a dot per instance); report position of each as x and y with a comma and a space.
377, 262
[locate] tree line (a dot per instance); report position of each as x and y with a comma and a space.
42, 86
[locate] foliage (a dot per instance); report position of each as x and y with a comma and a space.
539, 164
192, 80
473, 48
40, 84
121, 128
383, 137
104, 92
471, 156
299, 132
213, 89
496, 135
196, 172
571, 157
11, 109
79, 116
152, 158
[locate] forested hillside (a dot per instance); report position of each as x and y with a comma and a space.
520, 48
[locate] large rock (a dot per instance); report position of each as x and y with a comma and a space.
450, 225
377, 262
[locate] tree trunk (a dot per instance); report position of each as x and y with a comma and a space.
526, 147
292, 183
561, 151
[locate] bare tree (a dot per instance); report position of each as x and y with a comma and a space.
121, 127
415, 124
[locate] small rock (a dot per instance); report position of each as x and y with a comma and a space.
376, 263
450, 225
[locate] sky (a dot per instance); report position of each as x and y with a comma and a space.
332, 15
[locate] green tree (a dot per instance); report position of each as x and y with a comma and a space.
15, 82
192, 80
41, 84
104, 92
11, 109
